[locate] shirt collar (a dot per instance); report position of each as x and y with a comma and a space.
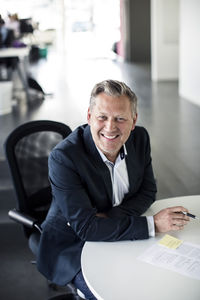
121, 155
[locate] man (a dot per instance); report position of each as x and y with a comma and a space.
102, 181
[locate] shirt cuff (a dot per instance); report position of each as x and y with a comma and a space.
151, 226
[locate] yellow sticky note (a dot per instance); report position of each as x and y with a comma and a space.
170, 242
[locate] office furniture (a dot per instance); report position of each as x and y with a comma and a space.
6, 89
27, 149
14, 52
21, 55
113, 271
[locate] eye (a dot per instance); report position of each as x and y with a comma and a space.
102, 118
120, 119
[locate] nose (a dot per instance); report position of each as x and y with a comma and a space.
110, 125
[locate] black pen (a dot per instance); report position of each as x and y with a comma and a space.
190, 215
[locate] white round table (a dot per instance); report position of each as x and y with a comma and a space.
113, 271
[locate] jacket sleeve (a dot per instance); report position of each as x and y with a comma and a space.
73, 200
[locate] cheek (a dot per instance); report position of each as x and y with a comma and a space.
126, 130
95, 126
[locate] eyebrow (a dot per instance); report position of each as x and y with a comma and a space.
117, 116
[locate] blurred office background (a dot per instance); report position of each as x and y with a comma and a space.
152, 45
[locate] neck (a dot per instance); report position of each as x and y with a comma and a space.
111, 157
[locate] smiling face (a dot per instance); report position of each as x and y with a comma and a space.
111, 121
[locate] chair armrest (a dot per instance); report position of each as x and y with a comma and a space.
24, 219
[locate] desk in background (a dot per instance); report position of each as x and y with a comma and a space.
14, 52
113, 272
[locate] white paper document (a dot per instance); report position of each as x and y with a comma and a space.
185, 259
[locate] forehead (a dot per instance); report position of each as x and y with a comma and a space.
107, 103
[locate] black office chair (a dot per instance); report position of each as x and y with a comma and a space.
27, 149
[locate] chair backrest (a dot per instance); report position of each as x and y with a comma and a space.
27, 149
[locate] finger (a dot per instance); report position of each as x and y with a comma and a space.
176, 227
180, 216
178, 209
180, 222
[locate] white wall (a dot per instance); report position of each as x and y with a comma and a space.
189, 73
164, 39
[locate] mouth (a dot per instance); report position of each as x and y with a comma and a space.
110, 137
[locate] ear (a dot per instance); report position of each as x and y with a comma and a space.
88, 116
134, 121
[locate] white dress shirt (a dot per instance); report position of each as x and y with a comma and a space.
120, 182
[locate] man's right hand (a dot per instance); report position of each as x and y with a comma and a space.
170, 218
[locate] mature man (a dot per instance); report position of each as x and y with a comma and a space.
102, 181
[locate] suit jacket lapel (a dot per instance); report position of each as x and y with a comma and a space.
97, 161
131, 163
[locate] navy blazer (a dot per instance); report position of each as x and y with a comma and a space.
81, 187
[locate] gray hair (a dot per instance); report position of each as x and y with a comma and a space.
116, 89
